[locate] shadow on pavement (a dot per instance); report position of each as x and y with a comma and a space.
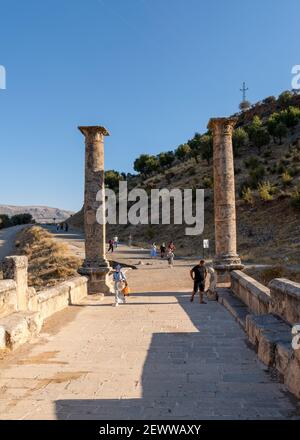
206, 373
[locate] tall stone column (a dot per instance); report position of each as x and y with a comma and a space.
95, 265
226, 258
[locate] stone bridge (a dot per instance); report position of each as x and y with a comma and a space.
70, 355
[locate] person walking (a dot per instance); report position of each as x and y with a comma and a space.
66, 227
198, 274
110, 246
171, 246
170, 258
162, 250
153, 251
116, 240
119, 280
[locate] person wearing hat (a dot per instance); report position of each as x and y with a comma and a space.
119, 278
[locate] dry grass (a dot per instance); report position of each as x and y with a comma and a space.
49, 262
265, 275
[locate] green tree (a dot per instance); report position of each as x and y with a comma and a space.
290, 116
146, 164
239, 139
285, 98
272, 124
21, 219
206, 147
4, 221
166, 159
280, 131
260, 137
112, 178
183, 152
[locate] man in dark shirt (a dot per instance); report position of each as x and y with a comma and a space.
198, 275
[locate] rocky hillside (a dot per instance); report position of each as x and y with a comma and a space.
42, 214
267, 169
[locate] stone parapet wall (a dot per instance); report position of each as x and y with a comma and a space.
8, 297
285, 295
253, 294
52, 300
23, 310
269, 314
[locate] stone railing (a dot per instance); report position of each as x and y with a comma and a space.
271, 312
255, 295
285, 295
22, 309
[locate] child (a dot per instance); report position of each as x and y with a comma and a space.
119, 278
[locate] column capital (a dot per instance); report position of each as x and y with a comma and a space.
223, 126
93, 132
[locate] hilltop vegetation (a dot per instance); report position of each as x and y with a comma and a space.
266, 143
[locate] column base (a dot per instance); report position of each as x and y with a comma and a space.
98, 278
223, 266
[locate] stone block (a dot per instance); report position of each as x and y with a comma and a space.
283, 354
50, 301
77, 289
8, 297
266, 332
292, 377
251, 292
285, 296
15, 267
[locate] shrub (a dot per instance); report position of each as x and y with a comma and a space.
294, 171
295, 199
265, 191
267, 154
247, 196
256, 175
269, 100
286, 178
281, 167
208, 182
252, 162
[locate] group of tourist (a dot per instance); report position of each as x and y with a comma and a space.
198, 274
113, 244
165, 251
62, 227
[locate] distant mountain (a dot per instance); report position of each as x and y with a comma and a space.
42, 214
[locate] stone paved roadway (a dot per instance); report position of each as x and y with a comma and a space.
158, 356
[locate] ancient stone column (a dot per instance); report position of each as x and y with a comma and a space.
95, 265
226, 258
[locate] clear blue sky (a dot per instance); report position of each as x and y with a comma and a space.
152, 71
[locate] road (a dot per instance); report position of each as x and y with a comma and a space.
7, 240
158, 356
